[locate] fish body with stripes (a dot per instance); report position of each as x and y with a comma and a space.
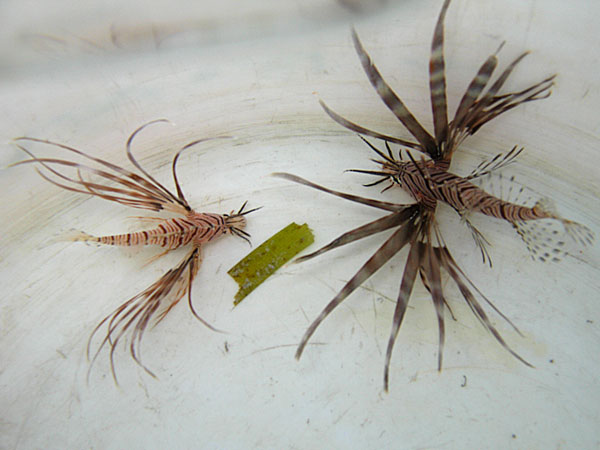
427, 179
195, 228
428, 184
138, 189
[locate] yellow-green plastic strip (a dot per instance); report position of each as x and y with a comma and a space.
262, 262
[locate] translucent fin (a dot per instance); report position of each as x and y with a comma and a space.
75, 236
546, 205
544, 238
580, 234
553, 239
504, 187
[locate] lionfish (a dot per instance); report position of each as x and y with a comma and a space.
429, 182
140, 190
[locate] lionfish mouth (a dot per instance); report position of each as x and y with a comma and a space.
236, 222
390, 166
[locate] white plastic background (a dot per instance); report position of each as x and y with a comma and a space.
255, 71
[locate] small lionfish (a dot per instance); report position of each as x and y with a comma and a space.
429, 182
141, 190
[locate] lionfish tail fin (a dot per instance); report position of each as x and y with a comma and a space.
546, 240
547, 206
543, 238
75, 236
579, 233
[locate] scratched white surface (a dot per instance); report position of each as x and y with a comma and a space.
255, 73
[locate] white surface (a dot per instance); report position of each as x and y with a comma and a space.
253, 74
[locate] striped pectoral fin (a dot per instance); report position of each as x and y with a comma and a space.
114, 182
492, 105
179, 282
353, 198
464, 284
401, 237
365, 131
505, 102
430, 271
495, 88
413, 263
149, 306
194, 265
437, 78
474, 90
377, 226
393, 102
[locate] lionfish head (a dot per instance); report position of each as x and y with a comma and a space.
235, 222
393, 169
389, 170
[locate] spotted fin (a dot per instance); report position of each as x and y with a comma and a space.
554, 238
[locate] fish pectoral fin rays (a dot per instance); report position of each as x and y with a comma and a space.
499, 161
130, 320
468, 291
157, 257
480, 240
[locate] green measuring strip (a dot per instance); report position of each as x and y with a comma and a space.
262, 262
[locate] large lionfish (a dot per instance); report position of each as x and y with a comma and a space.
141, 190
429, 182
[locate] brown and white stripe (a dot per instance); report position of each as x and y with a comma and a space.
429, 182
393, 102
198, 228
428, 185
138, 189
475, 109
437, 79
